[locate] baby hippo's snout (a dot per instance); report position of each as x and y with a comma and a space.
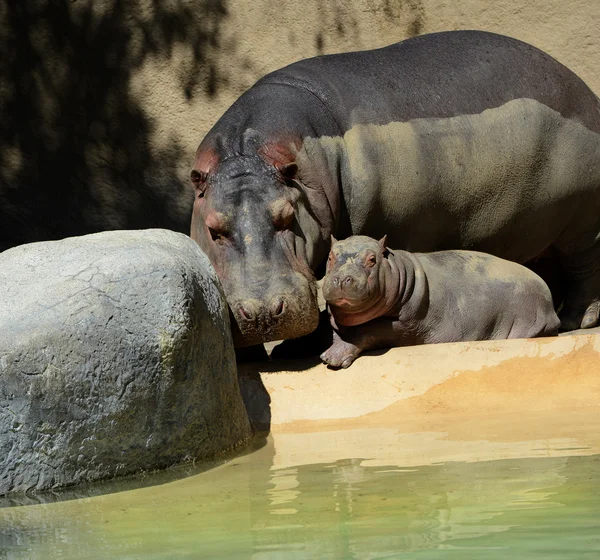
344, 286
344, 283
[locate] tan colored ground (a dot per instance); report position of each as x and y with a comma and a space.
426, 404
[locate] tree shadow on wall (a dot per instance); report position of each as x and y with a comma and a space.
341, 18
75, 151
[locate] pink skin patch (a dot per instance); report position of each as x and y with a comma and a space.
280, 153
217, 221
206, 161
342, 302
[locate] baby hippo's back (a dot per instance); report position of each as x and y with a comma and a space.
475, 296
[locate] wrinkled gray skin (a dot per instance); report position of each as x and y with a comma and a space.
379, 298
455, 140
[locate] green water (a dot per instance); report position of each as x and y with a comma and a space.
541, 508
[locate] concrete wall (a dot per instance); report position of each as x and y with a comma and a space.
103, 102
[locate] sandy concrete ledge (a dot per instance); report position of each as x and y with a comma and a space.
428, 404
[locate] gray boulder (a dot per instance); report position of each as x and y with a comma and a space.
115, 357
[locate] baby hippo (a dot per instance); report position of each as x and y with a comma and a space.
379, 298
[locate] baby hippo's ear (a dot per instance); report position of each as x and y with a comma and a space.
333, 240
382, 247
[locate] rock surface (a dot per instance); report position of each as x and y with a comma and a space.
115, 357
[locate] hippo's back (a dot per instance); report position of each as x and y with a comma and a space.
439, 75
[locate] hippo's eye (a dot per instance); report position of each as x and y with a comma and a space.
199, 181
371, 261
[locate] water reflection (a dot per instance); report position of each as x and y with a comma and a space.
284, 491
249, 508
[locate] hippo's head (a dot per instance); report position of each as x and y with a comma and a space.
352, 282
253, 219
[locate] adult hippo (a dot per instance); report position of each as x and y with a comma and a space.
454, 140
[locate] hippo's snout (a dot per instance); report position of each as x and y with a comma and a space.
255, 311
343, 286
279, 317
249, 310
342, 283
277, 306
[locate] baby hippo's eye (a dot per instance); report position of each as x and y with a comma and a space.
371, 261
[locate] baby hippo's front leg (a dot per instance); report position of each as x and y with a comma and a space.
340, 353
350, 343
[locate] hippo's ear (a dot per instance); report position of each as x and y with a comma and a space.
383, 246
281, 154
333, 240
288, 170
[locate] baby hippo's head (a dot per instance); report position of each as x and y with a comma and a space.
351, 281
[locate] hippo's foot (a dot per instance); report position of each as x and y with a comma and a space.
578, 318
340, 354
581, 274
591, 316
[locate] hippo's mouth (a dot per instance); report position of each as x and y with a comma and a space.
342, 302
280, 317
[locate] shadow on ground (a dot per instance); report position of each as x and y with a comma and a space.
75, 153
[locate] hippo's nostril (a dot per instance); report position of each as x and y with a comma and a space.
246, 314
348, 281
336, 281
278, 306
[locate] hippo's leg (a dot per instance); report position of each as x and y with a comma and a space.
341, 353
581, 305
537, 330
353, 341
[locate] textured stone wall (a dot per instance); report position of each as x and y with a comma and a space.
103, 102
